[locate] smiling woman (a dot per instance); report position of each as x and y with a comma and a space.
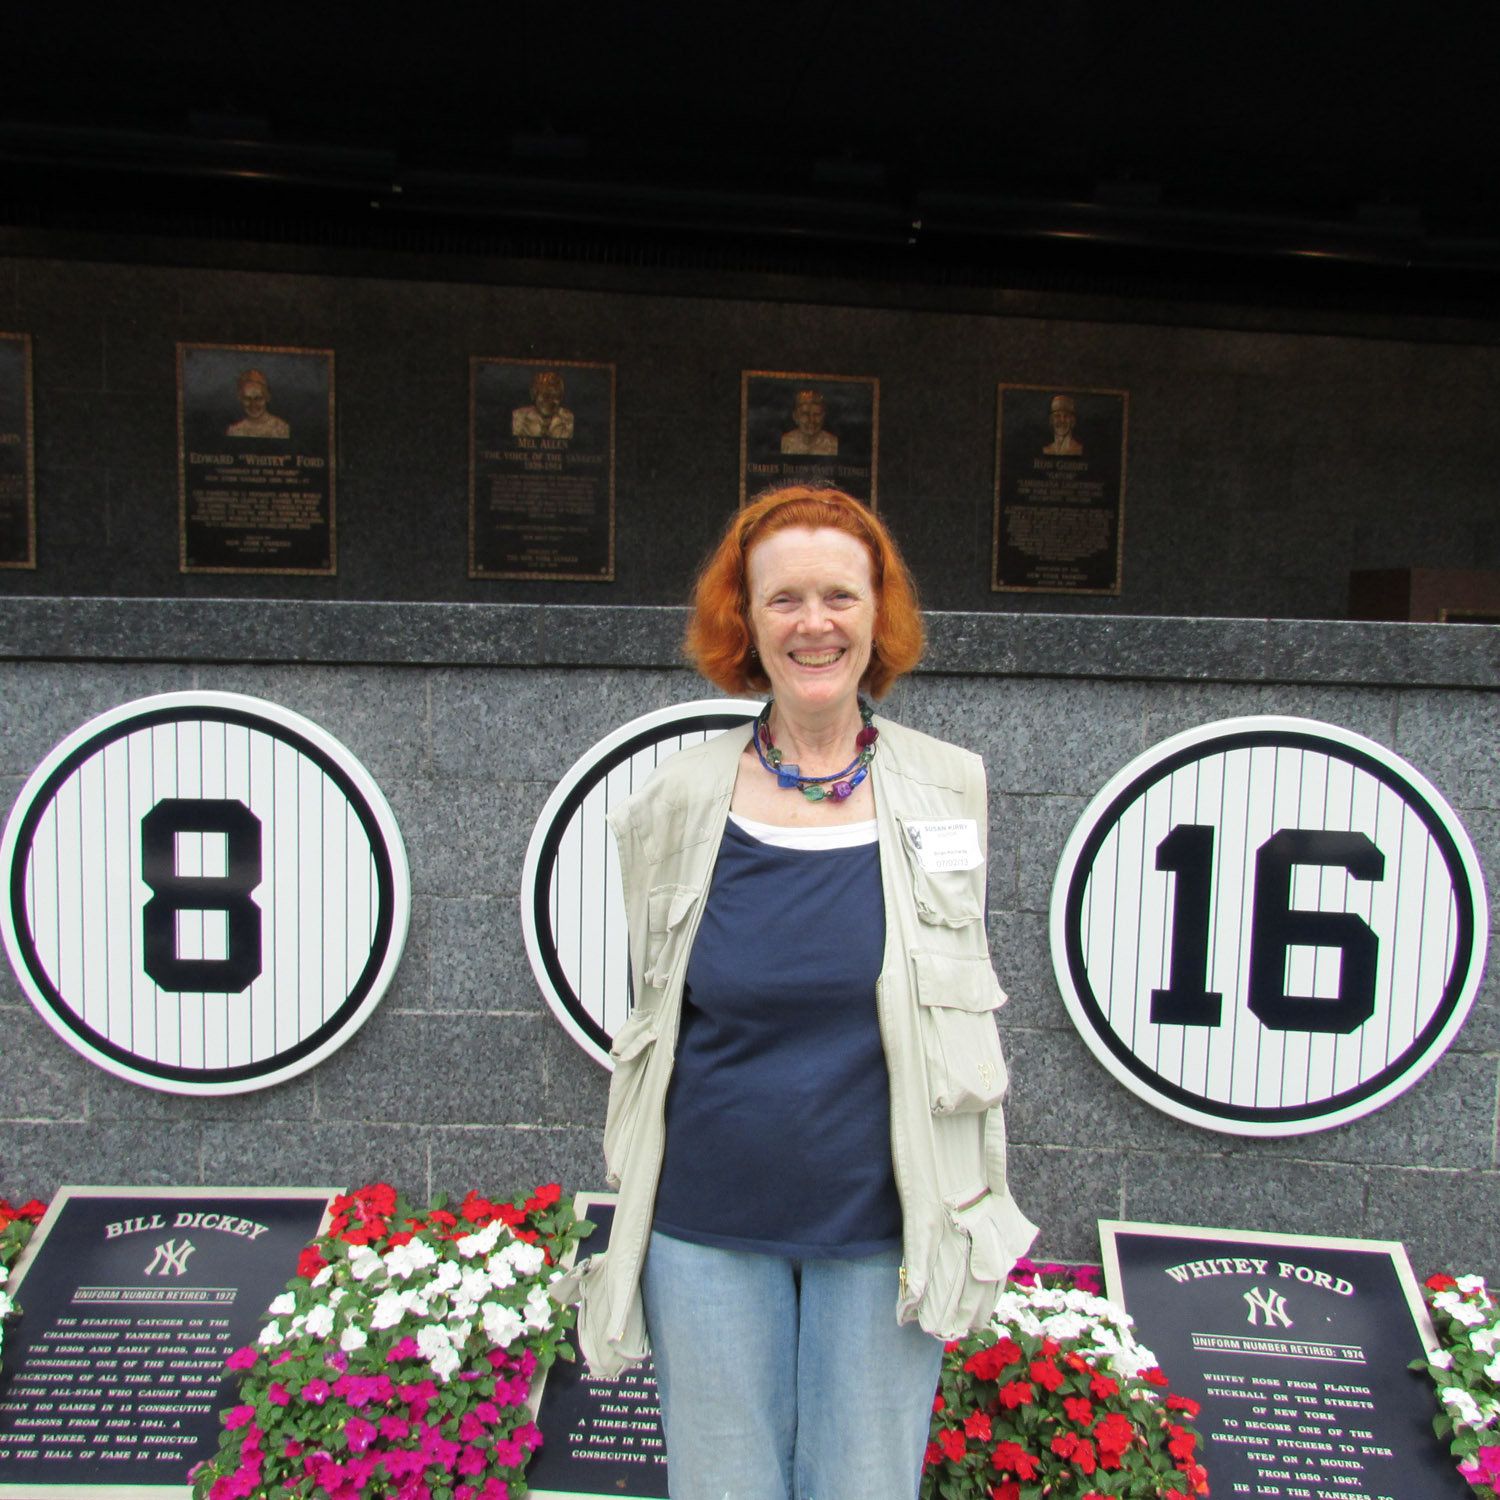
804, 1116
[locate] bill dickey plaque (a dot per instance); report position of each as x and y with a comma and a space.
255, 459
541, 469
1059, 490
132, 1299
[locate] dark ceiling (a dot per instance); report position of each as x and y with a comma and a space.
1310, 151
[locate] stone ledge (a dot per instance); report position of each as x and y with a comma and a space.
1141, 647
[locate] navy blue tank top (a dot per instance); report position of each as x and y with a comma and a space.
778, 1113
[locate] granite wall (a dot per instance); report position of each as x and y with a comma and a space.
467, 716
1269, 453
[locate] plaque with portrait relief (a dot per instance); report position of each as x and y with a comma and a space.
255, 459
541, 469
17, 460
1059, 490
809, 429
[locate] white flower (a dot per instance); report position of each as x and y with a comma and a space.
1486, 1340
1066, 1325
363, 1263
1493, 1369
284, 1304
320, 1321
1442, 1359
389, 1309
482, 1241
475, 1283
527, 1259
435, 1345
270, 1335
337, 1295
414, 1255
324, 1276
1461, 1404
354, 1338
1468, 1284
502, 1273
1467, 1314
447, 1276
502, 1325
540, 1309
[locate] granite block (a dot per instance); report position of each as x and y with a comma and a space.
462, 634
411, 988
577, 1087
465, 838
379, 714
120, 430
1448, 1221
111, 1098
1367, 711
501, 1161
532, 726
1454, 739
35, 627
41, 705
1227, 650
41, 1077
478, 956
1065, 1193
1374, 653
414, 1068
1020, 950
1238, 1192
316, 1155
194, 630
37, 1159
1003, 891
604, 635
1044, 826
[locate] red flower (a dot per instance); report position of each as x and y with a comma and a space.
1197, 1476
938, 1403
1076, 1362
1046, 1374
1012, 1458
1017, 1393
1114, 1434
544, 1197
1103, 1387
977, 1425
1078, 1410
1076, 1449
310, 1262
1050, 1346
951, 1441
1181, 1443
1183, 1403
31, 1211
1007, 1489
1154, 1376
1440, 1283
933, 1455
990, 1362
439, 1216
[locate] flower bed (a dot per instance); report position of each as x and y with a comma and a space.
399, 1360
1466, 1370
1057, 1398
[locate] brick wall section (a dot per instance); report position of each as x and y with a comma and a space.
467, 716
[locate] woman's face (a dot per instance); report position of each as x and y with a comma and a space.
812, 615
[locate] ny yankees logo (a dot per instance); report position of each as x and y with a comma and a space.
170, 1257
1271, 1304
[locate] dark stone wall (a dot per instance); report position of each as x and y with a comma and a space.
1265, 461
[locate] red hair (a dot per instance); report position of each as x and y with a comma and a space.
718, 634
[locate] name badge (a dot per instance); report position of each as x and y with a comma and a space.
951, 844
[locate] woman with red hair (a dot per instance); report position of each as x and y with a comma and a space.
804, 1118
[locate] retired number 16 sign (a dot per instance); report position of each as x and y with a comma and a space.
1268, 926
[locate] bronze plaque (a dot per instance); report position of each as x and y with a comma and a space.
17, 460
809, 429
541, 469
255, 459
1059, 490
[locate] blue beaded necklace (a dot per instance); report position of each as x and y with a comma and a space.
815, 788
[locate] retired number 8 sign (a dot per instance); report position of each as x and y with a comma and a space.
1268, 926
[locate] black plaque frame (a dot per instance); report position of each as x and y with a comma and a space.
1327, 1392
1059, 523
299, 455
17, 454
541, 535
40, 1288
578, 1409
768, 402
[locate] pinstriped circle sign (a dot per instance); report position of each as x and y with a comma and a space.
572, 908
205, 893
1268, 926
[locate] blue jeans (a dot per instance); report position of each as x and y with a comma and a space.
787, 1379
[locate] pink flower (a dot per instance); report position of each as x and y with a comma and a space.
360, 1434
509, 1454
405, 1349
276, 1394
241, 1359
238, 1417
472, 1461
487, 1411
394, 1427
530, 1435
471, 1429
317, 1391
495, 1489
1483, 1468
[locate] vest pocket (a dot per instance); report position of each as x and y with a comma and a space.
667, 907
957, 999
